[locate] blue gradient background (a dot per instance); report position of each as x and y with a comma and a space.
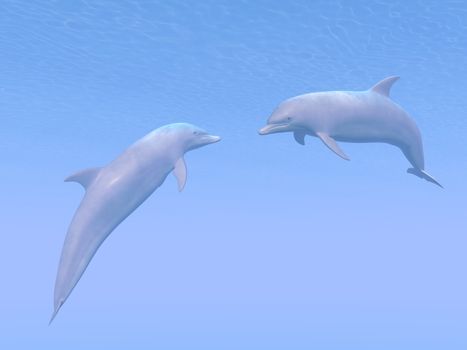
271, 245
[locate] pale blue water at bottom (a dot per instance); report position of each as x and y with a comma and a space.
271, 245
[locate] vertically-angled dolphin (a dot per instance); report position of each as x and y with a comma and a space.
113, 192
352, 116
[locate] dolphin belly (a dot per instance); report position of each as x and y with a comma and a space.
105, 205
380, 120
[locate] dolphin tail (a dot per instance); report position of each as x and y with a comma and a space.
423, 175
53, 316
56, 310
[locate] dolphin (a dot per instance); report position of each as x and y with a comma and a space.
352, 116
114, 191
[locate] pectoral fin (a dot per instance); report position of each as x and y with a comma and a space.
299, 136
84, 177
332, 145
180, 173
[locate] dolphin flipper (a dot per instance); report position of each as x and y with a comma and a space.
424, 175
180, 173
332, 145
299, 136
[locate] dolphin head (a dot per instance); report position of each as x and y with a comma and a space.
191, 136
287, 117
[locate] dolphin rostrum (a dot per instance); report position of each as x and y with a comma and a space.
352, 116
114, 191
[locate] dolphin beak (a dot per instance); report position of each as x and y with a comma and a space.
211, 139
273, 128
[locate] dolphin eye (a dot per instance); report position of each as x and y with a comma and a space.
289, 118
195, 133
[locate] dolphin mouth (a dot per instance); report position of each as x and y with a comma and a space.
208, 139
273, 128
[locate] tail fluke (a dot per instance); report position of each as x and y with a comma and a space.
423, 175
53, 316
57, 308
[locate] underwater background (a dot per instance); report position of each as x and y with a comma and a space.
271, 245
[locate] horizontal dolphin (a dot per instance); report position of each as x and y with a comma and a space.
352, 116
116, 190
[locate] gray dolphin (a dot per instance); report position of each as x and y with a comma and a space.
113, 192
352, 116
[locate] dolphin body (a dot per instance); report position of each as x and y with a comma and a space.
113, 192
352, 116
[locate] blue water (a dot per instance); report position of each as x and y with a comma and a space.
271, 245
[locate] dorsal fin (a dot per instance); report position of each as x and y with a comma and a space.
84, 177
384, 86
